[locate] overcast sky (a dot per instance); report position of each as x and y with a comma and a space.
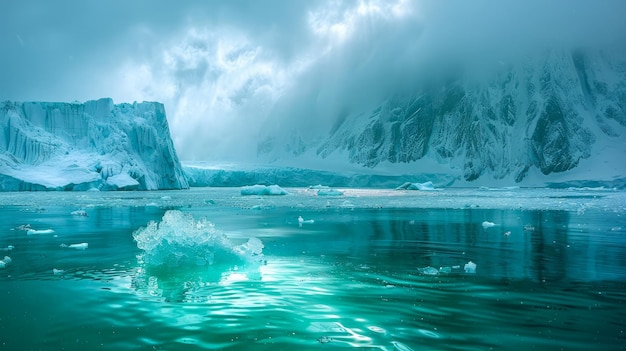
227, 69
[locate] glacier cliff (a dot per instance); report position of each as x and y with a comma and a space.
87, 146
560, 115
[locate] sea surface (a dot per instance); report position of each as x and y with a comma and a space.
210, 269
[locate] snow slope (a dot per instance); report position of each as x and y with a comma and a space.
547, 118
95, 145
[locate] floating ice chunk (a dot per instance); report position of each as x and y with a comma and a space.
329, 192
470, 267
81, 246
303, 221
445, 269
417, 186
5, 261
318, 187
39, 232
57, 271
8, 248
428, 270
81, 213
487, 224
181, 240
262, 190
166, 197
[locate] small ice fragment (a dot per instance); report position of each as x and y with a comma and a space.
428, 270
39, 232
81, 246
456, 267
302, 221
166, 197
81, 213
57, 271
5, 261
487, 224
470, 267
8, 248
529, 228
507, 233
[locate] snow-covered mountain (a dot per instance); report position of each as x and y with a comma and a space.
95, 145
558, 116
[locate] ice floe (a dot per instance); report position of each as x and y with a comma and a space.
80, 246
39, 232
262, 190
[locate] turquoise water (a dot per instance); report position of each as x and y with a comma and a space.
375, 270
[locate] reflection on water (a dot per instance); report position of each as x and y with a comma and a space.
545, 279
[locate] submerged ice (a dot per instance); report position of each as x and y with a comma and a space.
181, 240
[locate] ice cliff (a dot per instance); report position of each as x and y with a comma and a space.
538, 117
87, 146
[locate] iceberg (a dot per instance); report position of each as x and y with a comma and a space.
180, 240
96, 145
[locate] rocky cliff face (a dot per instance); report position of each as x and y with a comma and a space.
95, 145
547, 113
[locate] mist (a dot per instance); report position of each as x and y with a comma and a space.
232, 73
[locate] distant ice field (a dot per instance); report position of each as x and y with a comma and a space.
573, 199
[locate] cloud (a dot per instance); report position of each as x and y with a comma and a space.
231, 72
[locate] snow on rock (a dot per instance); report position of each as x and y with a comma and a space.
549, 118
262, 190
92, 146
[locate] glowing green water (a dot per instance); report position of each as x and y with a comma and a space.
546, 279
